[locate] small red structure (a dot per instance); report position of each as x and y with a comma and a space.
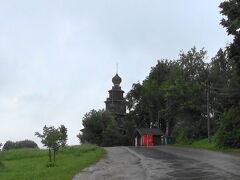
147, 140
147, 137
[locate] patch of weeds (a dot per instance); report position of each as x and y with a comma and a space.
50, 164
79, 154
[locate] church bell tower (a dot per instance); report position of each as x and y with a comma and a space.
116, 103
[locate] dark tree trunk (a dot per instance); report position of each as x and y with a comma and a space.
49, 155
54, 152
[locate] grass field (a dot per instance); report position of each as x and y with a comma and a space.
31, 164
204, 144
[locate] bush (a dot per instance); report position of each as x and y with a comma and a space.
19, 144
9, 145
181, 133
50, 164
228, 135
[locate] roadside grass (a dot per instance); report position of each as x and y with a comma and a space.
31, 164
204, 144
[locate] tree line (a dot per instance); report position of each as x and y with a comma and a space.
180, 95
19, 144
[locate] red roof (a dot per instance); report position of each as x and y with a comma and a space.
148, 131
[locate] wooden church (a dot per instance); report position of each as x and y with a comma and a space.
116, 103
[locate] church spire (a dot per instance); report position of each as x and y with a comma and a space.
116, 79
117, 68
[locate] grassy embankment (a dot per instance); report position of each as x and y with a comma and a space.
31, 164
204, 144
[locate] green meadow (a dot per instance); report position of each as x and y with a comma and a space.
32, 164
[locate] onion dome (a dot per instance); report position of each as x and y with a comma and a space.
116, 80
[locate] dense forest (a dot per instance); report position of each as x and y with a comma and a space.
189, 98
180, 95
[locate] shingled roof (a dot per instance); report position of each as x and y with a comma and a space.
147, 131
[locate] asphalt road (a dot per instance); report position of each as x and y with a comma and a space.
162, 162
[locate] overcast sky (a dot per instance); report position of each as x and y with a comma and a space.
57, 58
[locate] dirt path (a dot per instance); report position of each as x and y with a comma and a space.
118, 164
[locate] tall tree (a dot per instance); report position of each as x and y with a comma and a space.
93, 128
63, 136
101, 128
221, 82
228, 132
193, 64
231, 10
191, 121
